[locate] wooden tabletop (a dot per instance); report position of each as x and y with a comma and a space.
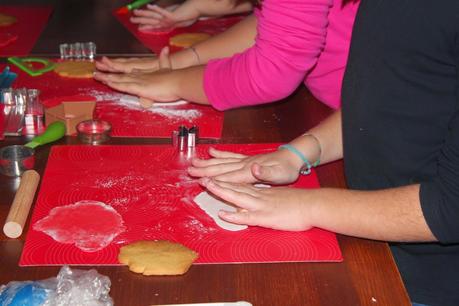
367, 276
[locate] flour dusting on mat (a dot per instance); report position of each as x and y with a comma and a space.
101, 95
163, 110
189, 114
131, 182
195, 228
171, 112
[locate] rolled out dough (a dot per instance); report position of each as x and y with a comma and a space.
75, 69
134, 101
212, 205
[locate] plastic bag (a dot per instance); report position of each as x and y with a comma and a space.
70, 287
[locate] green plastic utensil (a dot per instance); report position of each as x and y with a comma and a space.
25, 64
136, 4
53, 132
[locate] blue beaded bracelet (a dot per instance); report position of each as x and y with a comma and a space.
306, 168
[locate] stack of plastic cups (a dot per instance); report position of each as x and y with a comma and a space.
34, 123
89, 50
78, 51
14, 101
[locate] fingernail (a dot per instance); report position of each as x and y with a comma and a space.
226, 215
165, 50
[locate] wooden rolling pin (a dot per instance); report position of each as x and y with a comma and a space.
23, 199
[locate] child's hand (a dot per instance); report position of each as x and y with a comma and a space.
278, 208
149, 87
128, 65
278, 167
156, 18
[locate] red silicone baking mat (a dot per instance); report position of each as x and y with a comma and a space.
31, 20
127, 120
155, 41
149, 188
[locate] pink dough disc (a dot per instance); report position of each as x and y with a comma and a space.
89, 225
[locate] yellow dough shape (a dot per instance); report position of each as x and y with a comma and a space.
186, 40
157, 257
75, 69
6, 20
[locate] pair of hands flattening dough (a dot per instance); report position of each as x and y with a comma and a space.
136, 77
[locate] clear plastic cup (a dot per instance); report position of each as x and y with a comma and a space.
33, 119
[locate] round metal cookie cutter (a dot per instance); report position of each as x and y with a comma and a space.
94, 131
16, 159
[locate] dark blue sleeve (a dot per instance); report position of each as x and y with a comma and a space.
440, 196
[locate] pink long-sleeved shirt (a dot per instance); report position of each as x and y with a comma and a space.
297, 41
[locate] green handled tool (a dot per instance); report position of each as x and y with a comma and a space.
132, 6
136, 4
53, 132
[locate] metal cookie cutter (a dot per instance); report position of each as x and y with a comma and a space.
192, 136
15, 159
185, 140
78, 51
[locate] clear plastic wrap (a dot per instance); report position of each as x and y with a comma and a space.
70, 287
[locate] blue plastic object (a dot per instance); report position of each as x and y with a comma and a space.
69, 287
7, 78
23, 294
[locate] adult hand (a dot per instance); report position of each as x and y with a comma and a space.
128, 65
279, 167
158, 18
149, 87
280, 208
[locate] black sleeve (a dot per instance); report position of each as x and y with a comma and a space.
440, 196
